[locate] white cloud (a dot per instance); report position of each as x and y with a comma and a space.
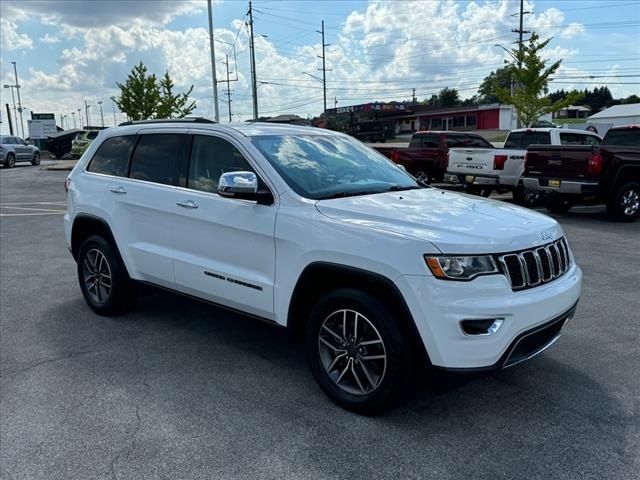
10, 39
49, 38
572, 30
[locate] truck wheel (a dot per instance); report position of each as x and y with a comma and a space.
559, 204
423, 176
624, 204
527, 198
356, 351
104, 283
36, 159
10, 162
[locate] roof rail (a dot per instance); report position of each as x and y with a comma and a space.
168, 120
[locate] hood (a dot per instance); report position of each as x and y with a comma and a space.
453, 222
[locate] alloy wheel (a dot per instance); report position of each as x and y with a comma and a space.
97, 276
630, 202
352, 352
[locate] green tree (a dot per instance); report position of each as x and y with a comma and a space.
501, 77
173, 106
139, 95
448, 97
532, 74
631, 99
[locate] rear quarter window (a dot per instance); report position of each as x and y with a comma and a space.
92, 135
112, 156
623, 138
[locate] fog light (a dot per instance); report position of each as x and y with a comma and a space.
483, 327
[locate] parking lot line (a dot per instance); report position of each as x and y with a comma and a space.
51, 212
32, 209
60, 203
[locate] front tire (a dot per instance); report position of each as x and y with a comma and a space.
356, 351
36, 159
104, 283
624, 203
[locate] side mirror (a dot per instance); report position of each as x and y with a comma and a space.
243, 186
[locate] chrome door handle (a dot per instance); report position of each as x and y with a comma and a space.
187, 204
119, 190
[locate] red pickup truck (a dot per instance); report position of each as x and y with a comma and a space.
607, 174
427, 155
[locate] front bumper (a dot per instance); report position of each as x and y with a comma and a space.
566, 186
438, 307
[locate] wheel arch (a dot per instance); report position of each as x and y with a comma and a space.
85, 225
318, 278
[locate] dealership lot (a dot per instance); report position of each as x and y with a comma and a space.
179, 389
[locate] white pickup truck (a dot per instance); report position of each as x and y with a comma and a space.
483, 170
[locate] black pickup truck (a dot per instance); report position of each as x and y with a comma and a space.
607, 174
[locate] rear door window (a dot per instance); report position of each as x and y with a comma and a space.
112, 156
158, 158
429, 140
521, 140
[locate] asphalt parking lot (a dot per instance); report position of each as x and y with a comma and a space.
179, 389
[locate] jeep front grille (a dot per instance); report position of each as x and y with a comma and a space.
536, 266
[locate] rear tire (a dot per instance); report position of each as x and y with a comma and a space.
423, 176
10, 162
481, 191
559, 204
36, 159
526, 198
365, 368
104, 282
624, 204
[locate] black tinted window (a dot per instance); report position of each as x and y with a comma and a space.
112, 157
629, 137
431, 140
477, 142
524, 139
455, 141
210, 158
158, 157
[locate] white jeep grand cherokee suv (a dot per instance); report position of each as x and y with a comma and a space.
312, 230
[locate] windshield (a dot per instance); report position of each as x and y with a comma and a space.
323, 166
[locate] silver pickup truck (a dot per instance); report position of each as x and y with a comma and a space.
483, 170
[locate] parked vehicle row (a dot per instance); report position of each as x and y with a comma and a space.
13, 149
487, 169
609, 174
312, 230
427, 155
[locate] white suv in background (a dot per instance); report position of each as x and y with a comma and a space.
313, 230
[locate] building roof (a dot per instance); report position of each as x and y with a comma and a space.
580, 108
629, 110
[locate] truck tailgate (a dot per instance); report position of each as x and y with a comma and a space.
472, 161
559, 161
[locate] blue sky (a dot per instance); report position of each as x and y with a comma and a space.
71, 51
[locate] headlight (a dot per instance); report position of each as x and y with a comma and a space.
461, 268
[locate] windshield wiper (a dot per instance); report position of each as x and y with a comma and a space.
350, 194
400, 188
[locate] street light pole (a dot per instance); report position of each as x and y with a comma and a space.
213, 63
73, 115
80, 118
15, 72
115, 122
101, 114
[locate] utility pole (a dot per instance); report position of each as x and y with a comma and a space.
15, 110
101, 113
413, 95
80, 118
9, 118
213, 63
254, 86
15, 72
520, 31
73, 115
324, 72
228, 81
335, 102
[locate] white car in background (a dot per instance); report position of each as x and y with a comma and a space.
311, 229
